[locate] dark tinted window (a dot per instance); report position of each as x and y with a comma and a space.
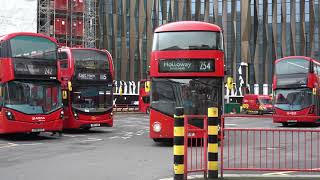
265, 101
63, 58
92, 99
90, 60
4, 49
292, 66
33, 47
195, 95
293, 99
63, 55
32, 97
187, 40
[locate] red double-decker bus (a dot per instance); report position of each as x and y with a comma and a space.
30, 93
87, 75
296, 90
144, 97
186, 70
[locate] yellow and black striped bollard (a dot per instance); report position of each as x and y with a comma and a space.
178, 144
212, 143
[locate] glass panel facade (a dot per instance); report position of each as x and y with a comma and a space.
264, 23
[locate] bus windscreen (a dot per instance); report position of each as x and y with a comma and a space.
185, 40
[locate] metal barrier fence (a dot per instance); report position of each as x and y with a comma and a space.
195, 147
269, 149
125, 108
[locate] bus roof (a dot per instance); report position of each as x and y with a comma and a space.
80, 48
188, 26
12, 35
300, 57
91, 49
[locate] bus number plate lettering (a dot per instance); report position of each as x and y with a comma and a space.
37, 130
95, 125
292, 121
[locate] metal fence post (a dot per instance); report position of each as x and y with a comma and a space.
212, 143
178, 144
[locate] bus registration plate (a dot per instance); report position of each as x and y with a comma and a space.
37, 130
95, 125
292, 121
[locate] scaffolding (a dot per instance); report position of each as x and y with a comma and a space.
71, 22
44, 16
90, 19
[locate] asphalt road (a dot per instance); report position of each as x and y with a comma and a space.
123, 152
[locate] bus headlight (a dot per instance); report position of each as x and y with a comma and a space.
156, 127
9, 115
61, 114
76, 115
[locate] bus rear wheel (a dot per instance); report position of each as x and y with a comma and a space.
148, 111
163, 140
285, 124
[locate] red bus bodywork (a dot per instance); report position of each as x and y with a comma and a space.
308, 82
166, 120
144, 98
16, 70
85, 119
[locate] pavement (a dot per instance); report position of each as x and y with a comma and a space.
256, 177
122, 152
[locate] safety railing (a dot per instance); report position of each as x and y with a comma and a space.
269, 149
195, 147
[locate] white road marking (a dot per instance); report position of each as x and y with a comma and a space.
230, 124
278, 173
253, 176
126, 137
114, 137
73, 136
139, 133
128, 125
92, 140
285, 172
7, 145
30, 144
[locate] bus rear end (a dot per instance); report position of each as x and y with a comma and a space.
295, 86
185, 72
29, 90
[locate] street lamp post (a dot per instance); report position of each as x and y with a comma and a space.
306, 43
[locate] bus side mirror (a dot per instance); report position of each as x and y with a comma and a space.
147, 86
69, 86
64, 94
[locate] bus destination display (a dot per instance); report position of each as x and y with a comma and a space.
27, 67
92, 76
186, 65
